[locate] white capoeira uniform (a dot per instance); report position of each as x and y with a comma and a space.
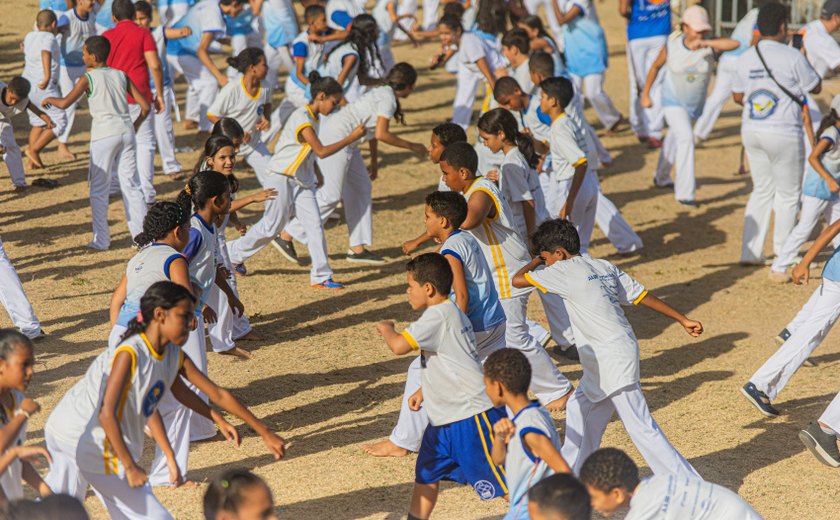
471, 48
594, 291
687, 498
280, 27
34, 44
14, 300
229, 326
164, 133
12, 154
72, 65
11, 480
81, 452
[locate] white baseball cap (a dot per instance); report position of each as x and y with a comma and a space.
697, 18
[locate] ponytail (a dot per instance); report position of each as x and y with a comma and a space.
160, 220
226, 492
164, 295
362, 37
501, 120
249, 57
230, 128
202, 187
828, 121
326, 84
401, 77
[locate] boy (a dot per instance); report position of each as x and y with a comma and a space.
112, 146
515, 48
41, 69
455, 444
612, 479
559, 497
474, 293
528, 444
593, 291
13, 298
13, 101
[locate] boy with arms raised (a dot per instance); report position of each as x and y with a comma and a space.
456, 443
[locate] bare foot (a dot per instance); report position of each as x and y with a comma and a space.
34, 160
64, 153
558, 405
187, 484
237, 352
189, 124
385, 448
251, 336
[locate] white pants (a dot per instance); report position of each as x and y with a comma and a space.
145, 143
290, 199
533, 7
108, 155
122, 501
677, 152
585, 206
346, 180
229, 326
462, 104
587, 420
593, 141
165, 134
258, 158
776, 171
558, 320
430, 14
202, 88
813, 210
592, 88
613, 225
721, 93
58, 116
275, 57
817, 317
67, 78
12, 156
831, 416
408, 432
196, 349
641, 53
546, 380
14, 299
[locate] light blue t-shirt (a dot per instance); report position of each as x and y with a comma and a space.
279, 21
743, 32
103, 17
814, 185
831, 271
484, 310
204, 17
586, 45
241, 23
649, 18
53, 5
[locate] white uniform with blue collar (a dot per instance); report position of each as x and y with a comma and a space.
80, 450
74, 31
471, 49
334, 63
11, 480
677, 497
341, 12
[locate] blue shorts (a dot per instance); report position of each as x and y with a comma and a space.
460, 452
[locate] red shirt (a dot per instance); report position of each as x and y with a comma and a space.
129, 43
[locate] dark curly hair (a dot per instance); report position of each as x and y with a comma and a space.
160, 220
610, 468
509, 367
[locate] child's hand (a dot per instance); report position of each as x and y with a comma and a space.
136, 476
647, 102
49, 122
236, 305
240, 227
385, 325
694, 328
42, 85
415, 402
493, 175
264, 195
209, 314
358, 132
314, 37
409, 246
833, 186
47, 102
223, 271
183, 32
29, 406
227, 430
263, 124
420, 149
566, 210
504, 429
175, 477
800, 274
247, 138
275, 444
30, 453
2, 149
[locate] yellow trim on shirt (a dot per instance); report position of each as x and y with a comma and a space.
312, 114
641, 297
534, 282
411, 341
300, 129
111, 466
155, 355
181, 358
290, 171
252, 98
499, 261
495, 203
487, 454
579, 162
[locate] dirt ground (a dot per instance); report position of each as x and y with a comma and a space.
328, 384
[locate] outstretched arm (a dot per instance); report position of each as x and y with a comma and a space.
308, 135
397, 342
694, 328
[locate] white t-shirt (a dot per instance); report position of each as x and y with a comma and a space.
522, 469
472, 48
518, 183
568, 147
292, 156
594, 291
522, 75
453, 381
108, 103
687, 75
73, 37
766, 107
821, 48
680, 497
9, 111
335, 63
235, 101
33, 68
378, 102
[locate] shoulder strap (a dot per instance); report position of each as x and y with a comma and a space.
787, 92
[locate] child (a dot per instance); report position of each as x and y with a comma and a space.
819, 192
41, 69
292, 172
541, 41
527, 444
559, 497
112, 144
474, 293
516, 45
353, 63
14, 100
14, 300
385, 13
17, 360
593, 291
345, 177
455, 443
238, 494
612, 479
807, 330
248, 101
490, 221
280, 25
690, 59
104, 413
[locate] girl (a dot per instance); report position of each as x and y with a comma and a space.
353, 63
345, 176
517, 176
243, 33
690, 60
819, 193
101, 418
385, 13
17, 358
238, 494
541, 41
293, 173
248, 101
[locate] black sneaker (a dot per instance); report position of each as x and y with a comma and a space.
822, 445
571, 353
365, 257
759, 399
783, 336
286, 248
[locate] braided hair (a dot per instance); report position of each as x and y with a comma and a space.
160, 220
362, 35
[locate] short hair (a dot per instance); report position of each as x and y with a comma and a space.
554, 234
313, 11
449, 205
431, 268
542, 63
20, 86
453, 9
511, 368
610, 468
142, 6
45, 18
517, 38
451, 22
505, 86
560, 89
449, 133
122, 10
770, 18
563, 495
461, 155
99, 47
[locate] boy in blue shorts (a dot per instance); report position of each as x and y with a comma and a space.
456, 444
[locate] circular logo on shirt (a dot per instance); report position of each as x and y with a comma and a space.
762, 104
152, 398
485, 490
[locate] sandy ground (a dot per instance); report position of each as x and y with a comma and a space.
326, 382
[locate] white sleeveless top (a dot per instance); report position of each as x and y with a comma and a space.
10, 480
148, 266
201, 257
108, 103
293, 157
